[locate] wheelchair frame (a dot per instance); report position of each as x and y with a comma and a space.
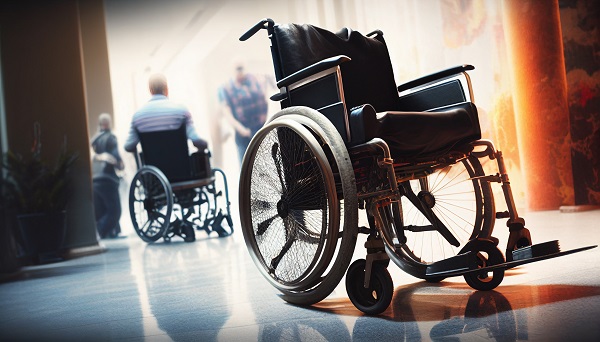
178, 196
328, 148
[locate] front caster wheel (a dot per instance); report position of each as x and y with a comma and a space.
187, 232
486, 254
375, 299
434, 280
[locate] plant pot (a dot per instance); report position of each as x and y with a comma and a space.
8, 251
43, 235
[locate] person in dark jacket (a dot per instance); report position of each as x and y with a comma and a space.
105, 161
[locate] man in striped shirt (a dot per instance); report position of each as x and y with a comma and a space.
160, 114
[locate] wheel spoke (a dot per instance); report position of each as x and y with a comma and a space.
289, 205
288, 244
264, 225
457, 202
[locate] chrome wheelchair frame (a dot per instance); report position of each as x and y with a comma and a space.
174, 193
314, 165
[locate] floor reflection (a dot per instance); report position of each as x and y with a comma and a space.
180, 281
453, 312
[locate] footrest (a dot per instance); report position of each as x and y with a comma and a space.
537, 250
454, 265
463, 263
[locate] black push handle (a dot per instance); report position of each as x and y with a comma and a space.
263, 24
375, 33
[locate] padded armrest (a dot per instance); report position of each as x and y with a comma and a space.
312, 69
435, 77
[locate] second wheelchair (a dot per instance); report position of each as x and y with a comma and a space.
175, 194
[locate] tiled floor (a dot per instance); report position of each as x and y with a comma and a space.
210, 290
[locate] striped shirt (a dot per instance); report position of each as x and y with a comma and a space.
161, 114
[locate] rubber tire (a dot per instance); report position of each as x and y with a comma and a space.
494, 257
434, 280
330, 220
160, 176
326, 132
189, 235
381, 284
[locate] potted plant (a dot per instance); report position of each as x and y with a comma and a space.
39, 193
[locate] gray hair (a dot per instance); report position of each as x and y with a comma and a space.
105, 118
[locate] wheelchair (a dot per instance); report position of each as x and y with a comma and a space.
175, 194
348, 139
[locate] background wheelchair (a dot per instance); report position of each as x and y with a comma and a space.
174, 193
347, 139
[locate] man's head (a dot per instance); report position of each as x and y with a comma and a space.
104, 122
158, 85
239, 69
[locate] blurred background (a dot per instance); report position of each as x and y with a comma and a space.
536, 80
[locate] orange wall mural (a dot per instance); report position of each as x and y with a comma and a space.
580, 21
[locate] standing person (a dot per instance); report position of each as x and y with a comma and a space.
242, 101
105, 161
161, 114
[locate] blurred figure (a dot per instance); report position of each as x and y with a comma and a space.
242, 101
159, 114
105, 161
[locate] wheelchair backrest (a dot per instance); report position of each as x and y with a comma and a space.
367, 78
168, 151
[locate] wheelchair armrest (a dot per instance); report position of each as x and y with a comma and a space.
440, 75
312, 69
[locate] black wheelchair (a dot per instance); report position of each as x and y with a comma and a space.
348, 138
174, 193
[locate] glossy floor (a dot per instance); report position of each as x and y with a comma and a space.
211, 291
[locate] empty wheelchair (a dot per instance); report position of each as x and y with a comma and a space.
175, 194
348, 139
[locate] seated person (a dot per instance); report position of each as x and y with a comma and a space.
160, 114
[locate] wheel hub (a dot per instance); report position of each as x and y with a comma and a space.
283, 209
148, 204
427, 198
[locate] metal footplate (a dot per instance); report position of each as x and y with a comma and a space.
465, 263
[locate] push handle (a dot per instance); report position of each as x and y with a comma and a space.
263, 24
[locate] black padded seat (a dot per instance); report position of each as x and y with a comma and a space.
192, 184
412, 135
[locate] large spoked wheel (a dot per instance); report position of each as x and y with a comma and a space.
377, 297
290, 209
463, 203
486, 254
150, 203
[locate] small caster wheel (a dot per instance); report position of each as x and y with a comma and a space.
486, 254
517, 239
433, 280
188, 233
375, 299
